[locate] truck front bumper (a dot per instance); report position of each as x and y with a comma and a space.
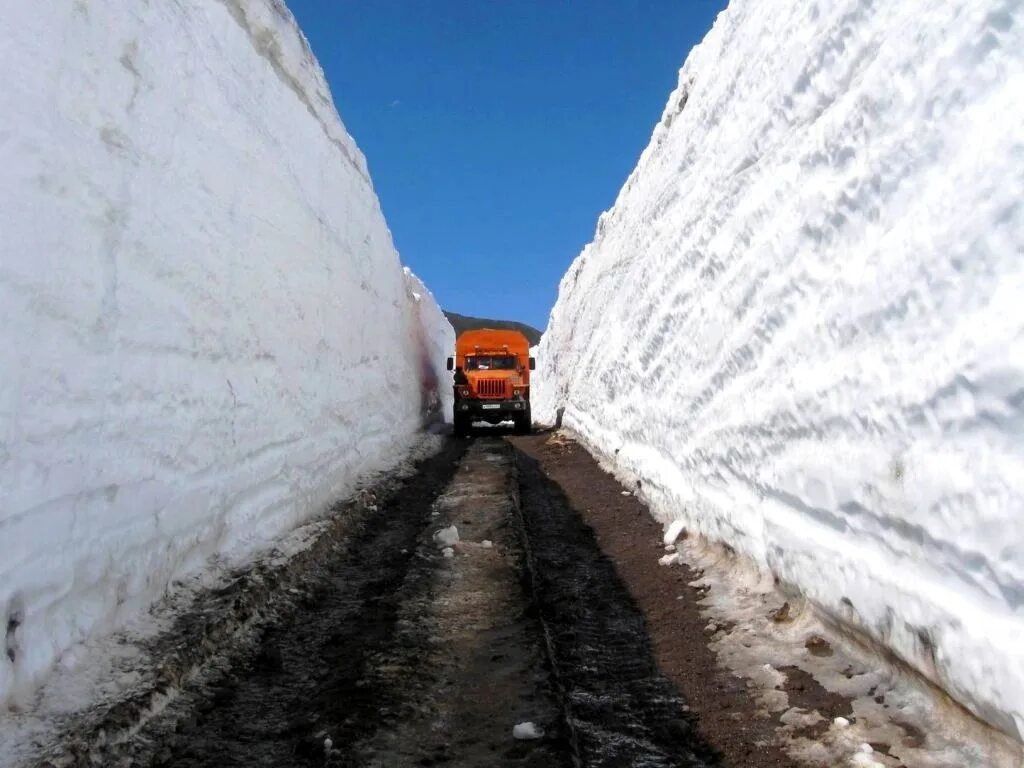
484, 408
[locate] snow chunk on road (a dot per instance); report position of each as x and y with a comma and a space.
527, 731
675, 528
447, 537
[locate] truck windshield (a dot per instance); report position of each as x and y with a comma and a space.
488, 363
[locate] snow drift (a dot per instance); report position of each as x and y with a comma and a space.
205, 331
800, 326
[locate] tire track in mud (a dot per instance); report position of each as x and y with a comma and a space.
305, 683
469, 656
401, 655
620, 708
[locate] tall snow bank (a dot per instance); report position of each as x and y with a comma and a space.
801, 325
435, 340
205, 331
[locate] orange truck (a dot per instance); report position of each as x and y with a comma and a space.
492, 379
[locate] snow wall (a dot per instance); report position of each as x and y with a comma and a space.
205, 332
800, 326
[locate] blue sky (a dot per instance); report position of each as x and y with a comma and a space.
497, 131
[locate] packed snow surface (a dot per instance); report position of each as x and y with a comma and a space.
205, 332
800, 326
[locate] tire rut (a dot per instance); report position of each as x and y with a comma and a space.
620, 708
306, 681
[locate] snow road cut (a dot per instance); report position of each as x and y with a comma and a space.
206, 332
798, 331
800, 327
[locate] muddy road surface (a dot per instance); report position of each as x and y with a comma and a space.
502, 602
467, 618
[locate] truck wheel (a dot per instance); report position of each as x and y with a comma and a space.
523, 424
461, 426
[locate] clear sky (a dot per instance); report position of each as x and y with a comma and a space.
497, 131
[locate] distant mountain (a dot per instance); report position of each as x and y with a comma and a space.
465, 323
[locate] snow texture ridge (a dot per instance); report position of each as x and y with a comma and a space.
205, 332
800, 326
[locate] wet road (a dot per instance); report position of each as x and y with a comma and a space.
395, 651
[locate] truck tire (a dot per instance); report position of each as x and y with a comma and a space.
461, 426
523, 424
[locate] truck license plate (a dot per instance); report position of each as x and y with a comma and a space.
490, 406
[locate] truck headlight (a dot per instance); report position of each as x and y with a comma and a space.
516, 393
463, 391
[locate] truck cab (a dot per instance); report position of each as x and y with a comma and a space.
492, 379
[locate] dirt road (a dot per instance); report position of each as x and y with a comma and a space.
414, 649
417, 649
503, 602
663, 608
467, 617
